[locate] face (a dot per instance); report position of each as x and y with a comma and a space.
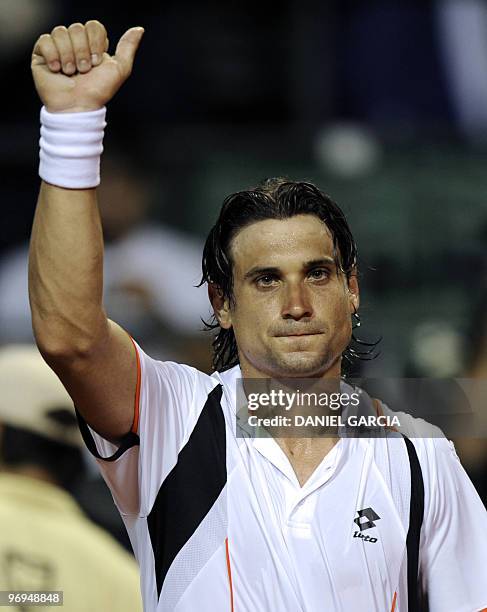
292, 309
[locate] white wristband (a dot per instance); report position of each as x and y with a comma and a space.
70, 148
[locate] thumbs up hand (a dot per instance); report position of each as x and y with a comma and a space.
72, 70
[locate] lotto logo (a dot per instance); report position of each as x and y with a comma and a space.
366, 538
365, 519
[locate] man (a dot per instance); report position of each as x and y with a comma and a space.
218, 521
46, 542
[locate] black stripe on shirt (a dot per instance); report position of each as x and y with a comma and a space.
416, 511
191, 488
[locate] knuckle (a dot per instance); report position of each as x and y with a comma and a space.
94, 23
44, 43
76, 27
60, 29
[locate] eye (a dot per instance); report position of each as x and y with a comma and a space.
319, 274
267, 280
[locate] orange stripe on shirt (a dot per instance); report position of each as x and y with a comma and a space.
135, 424
229, 569
380, 412
394, 602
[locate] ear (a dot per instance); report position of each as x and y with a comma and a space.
353, 291
221, 306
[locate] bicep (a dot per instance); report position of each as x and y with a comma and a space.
103, 384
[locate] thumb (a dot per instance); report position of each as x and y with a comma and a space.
126, 48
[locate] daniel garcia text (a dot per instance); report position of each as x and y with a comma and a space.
327, 420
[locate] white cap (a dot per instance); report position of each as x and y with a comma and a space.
32, 397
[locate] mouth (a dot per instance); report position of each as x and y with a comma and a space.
299, 335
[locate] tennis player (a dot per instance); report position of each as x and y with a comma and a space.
221, 522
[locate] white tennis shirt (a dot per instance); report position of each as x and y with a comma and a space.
219, 523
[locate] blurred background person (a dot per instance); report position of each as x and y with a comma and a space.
149, 267
473, 449
465, 62
46, 542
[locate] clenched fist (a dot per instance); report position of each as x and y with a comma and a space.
72, 70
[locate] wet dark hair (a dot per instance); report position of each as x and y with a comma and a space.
274, 198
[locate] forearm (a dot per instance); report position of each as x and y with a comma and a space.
66, 249
66, 271
94, 358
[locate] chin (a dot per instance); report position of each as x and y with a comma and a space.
304, 365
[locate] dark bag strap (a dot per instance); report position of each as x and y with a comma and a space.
416, 512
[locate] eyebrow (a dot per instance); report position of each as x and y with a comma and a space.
313, 263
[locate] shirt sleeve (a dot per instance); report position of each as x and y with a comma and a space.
453, 555
167, 406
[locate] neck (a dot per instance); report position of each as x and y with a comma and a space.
302, 448
303, 412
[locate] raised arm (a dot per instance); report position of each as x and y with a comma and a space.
94, 357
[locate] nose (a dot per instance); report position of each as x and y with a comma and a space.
297, 304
